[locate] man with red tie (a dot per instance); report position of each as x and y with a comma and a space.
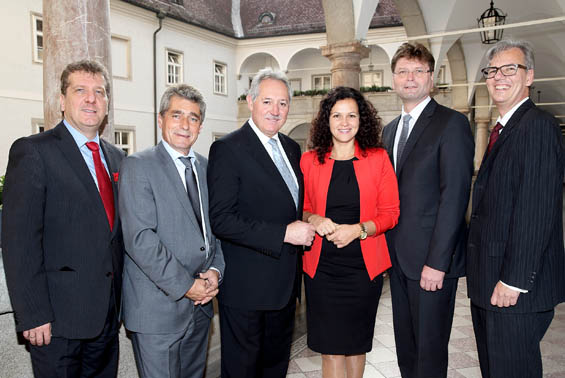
515, 259
62, 241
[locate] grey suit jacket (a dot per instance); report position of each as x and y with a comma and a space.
165, 249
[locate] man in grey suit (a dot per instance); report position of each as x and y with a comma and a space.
173, 262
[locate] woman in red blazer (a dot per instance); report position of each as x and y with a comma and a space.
351, 197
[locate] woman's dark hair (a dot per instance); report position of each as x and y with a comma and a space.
370, 125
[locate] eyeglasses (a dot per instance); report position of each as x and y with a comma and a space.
417, 73
506, 70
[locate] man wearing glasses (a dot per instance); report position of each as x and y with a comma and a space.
515, 259
431, 148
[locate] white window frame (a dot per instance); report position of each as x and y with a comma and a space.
130, 131
35, 34
323, 77
222, 78
297, 80
175, 66
372, 72
128, 57
37, 125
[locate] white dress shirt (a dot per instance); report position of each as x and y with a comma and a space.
179, 165
415, 114
265, 142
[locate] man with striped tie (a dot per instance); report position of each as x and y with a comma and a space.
515, 259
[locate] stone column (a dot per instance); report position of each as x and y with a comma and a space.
345, 58
481, 141
74, 30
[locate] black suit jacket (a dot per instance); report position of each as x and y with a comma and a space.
434, 181
250, 207
516, 228
59, 253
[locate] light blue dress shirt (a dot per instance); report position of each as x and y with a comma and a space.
81, 140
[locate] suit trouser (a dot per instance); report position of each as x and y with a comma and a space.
173, 355
66, 358
422, 325
508, 343
255, 343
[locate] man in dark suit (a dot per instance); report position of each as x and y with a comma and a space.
256, 193
515, 258
431, 148
173, 261
62, 241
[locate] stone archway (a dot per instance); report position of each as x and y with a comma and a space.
300, 134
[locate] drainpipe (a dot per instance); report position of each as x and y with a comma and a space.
161, 15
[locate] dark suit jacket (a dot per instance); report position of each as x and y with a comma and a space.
59, 252
516, 228
434, 181
250, 207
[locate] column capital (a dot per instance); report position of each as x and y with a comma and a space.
345, 48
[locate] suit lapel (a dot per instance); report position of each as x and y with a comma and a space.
68, 147
172, 174
503, 137
203, 188
389, 138
421, 124
260, 155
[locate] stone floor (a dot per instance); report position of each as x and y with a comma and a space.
463, 360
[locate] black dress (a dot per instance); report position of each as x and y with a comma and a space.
341, 299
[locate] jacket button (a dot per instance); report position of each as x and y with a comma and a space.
109, 274
474, 216
202, 249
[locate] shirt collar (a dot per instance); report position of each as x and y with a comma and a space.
79, 137
174, 153
262, 137
418, 109
504, 120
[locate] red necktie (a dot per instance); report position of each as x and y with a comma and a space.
104, 184
494, 134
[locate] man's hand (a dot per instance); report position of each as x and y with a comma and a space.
503, 296
199, 291
211, 278
344, 234
431, 279
324, 226
299, 233
39, 335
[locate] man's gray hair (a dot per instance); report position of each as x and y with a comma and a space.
508, 44
264, 74
184, 91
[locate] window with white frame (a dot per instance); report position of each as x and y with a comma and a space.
370, 78
124, 140
37, 27
174, 67
37, 125
121, 57
320, 82
220, 75
295, 85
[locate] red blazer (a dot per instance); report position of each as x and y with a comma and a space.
378, 192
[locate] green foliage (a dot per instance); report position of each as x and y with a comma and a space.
374, 88
322, 92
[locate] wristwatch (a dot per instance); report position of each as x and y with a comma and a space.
363, 233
